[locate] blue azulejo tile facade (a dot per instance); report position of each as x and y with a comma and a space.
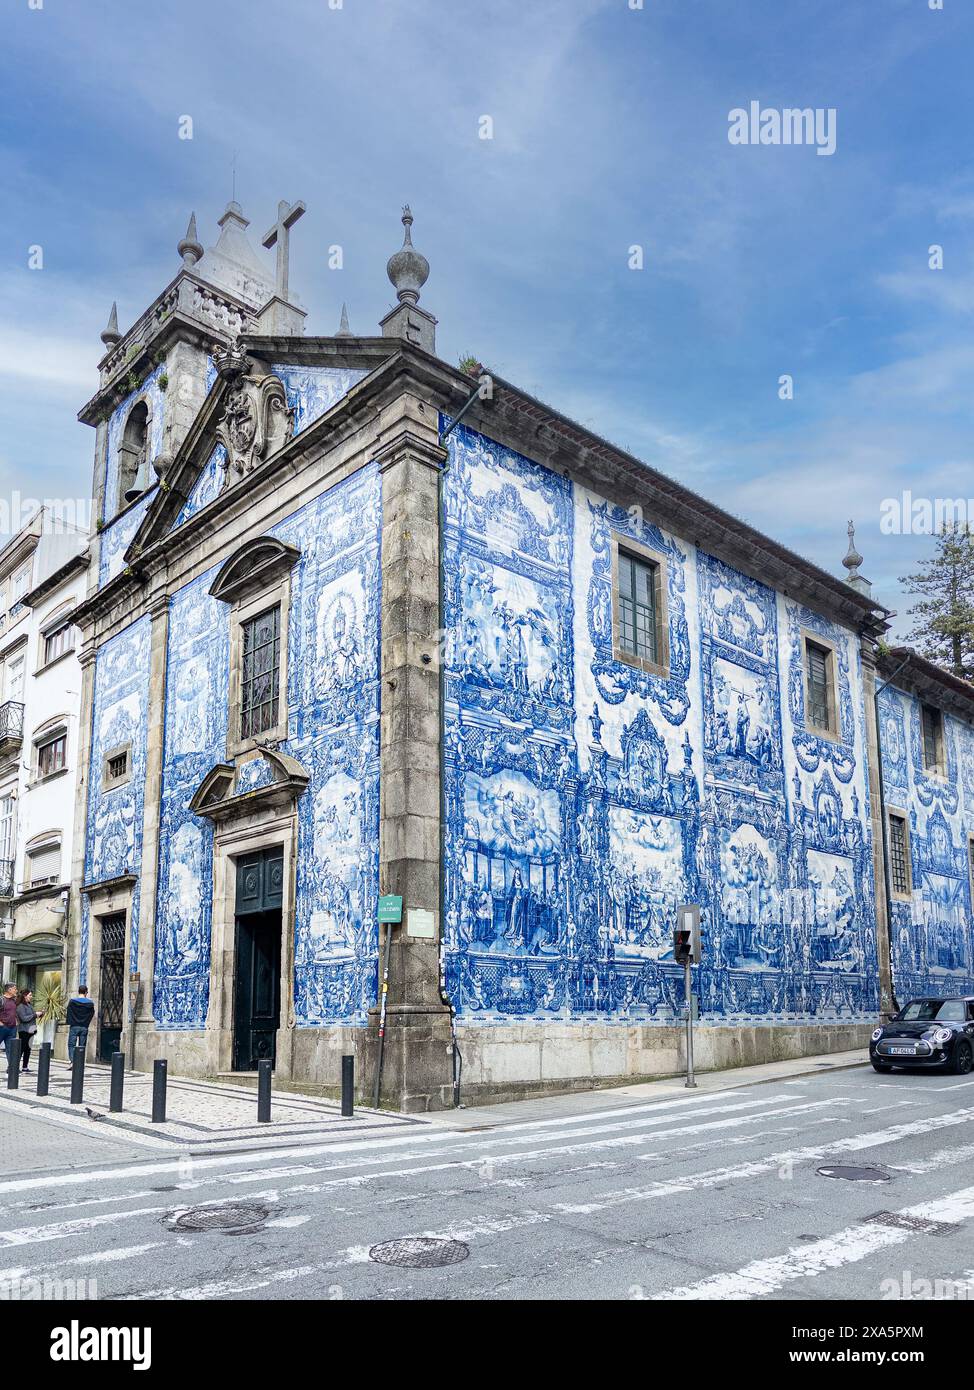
931, 935
333, 696
333, 732
195, 737
113, 835
586, 796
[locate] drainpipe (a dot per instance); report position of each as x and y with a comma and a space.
887, 877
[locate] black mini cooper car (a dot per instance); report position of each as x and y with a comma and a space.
934, 1033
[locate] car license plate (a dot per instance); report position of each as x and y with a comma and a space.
904, 1051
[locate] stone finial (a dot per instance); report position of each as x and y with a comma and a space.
110, 334
190, 248
852, 561
408, 269
343, 329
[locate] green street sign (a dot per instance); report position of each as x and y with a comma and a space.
390, 908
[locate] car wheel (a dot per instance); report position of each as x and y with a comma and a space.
881, 1066
963, 1058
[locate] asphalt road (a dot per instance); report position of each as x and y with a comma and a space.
702, 1195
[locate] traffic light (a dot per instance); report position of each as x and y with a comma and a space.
686, 937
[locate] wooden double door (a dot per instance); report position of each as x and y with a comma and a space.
257, 983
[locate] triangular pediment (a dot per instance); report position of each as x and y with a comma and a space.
266, 779
266, 394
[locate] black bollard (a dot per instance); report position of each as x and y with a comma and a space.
348, 1086
77, 1076
159, 1091
13, 1064
44, 1069
264, 1069
117, 1086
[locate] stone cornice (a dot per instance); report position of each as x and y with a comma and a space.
905, 669
76, 565
515, 420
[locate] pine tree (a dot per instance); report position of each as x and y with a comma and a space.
943, 628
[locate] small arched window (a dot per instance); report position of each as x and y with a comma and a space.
132, 455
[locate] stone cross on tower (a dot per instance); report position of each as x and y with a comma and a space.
280, 235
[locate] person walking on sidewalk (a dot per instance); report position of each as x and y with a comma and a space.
8, 1022
26, 1026
81, 1010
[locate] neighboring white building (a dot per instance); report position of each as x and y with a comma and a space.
42, 579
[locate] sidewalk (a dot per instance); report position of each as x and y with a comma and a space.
612, 1097
201, 1116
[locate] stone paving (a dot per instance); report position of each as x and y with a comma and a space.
199, 1114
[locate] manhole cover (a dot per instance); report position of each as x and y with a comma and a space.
853, 1174
421, 1252
236, 1219
903, 1222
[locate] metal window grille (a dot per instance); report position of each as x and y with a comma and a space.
260, 676
898, 860
118, 766
819, 686
931, 737
638, 607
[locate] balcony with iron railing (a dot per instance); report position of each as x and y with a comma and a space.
6, 878
11, 726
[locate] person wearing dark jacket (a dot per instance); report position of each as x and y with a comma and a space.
26, 1026
8, 1021
81, 1010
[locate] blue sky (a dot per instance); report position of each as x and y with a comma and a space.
610, 129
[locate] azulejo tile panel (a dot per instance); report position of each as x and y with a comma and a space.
333, 722
313, 390
932, 939
196, 716
113, 834
333, 696
587, 797
117, 536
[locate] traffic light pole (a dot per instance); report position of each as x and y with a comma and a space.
690, 1081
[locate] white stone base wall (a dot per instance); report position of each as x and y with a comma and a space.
506, 1063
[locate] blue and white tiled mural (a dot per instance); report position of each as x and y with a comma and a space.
311, 391
197, 681
117, 536
113, 838
333, 709
587, 797
333, 692
932, 940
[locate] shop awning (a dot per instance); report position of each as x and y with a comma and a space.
40, 949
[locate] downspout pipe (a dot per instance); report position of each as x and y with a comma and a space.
887, 876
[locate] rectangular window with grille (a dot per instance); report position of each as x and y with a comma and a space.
638, 607
820, 713
260, 673
51, 755
899, 856
932, 723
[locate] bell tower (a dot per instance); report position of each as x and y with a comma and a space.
154, 377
